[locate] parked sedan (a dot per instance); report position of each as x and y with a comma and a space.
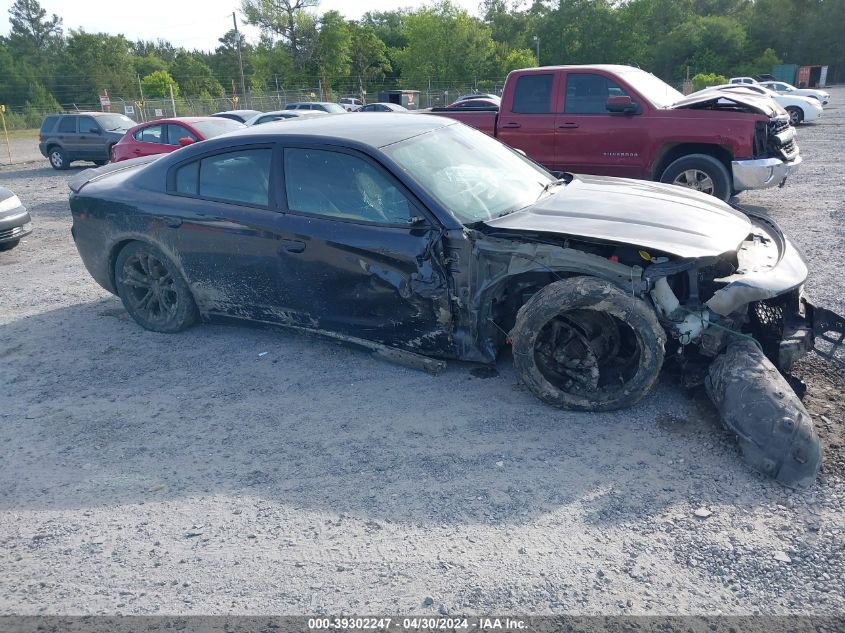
282, 115
166, 135
781, 87
241, 116
421, 239
324, 106
476, 104
15, 222
383, 107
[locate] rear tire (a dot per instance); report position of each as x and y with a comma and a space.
700, 172
152, 289
796, 115
584, 344
58, 158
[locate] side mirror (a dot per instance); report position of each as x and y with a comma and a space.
94, 130
621, 104
186, 140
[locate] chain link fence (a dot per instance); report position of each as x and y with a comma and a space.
432, 95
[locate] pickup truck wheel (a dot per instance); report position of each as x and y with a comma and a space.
700, 172
584, 344
796, 114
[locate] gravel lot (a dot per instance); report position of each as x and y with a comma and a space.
190, 474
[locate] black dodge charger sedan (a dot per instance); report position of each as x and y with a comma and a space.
424, 239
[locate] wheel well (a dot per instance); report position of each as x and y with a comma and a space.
53, 146
671, 153
511, 294
115, 251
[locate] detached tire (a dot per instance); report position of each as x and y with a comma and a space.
796, 115
583, 344
700, 172
152, 289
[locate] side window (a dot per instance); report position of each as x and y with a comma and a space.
151, 134
175, 132
533, 94
67, 125
587, 93
239, 176
342, 186
87, 125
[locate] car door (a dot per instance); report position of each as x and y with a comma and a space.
175, 133
149, 140
68, 136
590, 139
224, 223
528, 122
359, 254
91, 143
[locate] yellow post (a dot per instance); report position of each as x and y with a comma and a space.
6, 132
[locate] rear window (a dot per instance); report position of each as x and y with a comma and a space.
533, 94
48, 123
210, 129
236, 176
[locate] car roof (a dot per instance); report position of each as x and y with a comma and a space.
370, 129
184, 119
237, 112
312, 103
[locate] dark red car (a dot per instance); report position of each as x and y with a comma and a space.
166, 135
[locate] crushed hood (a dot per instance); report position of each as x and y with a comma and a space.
667, 218
730, 99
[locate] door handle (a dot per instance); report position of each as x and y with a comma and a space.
293, 246
512, 126
567, 126
136, 151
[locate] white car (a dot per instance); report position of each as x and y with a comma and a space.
781, 87
800, 109
351, 104
742, 80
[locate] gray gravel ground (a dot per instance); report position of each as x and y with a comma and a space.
144, 473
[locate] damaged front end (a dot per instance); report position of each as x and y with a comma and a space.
738, 322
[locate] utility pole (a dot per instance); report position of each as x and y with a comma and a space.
240, 56
172, 100
141, 88
537, 40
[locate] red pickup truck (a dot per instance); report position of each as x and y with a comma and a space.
622, 121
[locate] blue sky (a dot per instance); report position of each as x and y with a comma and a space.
192, 23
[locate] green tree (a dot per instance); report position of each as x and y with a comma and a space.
287, 19
93, 62
368, 55
516, 59
332, 56
446, 45
194, 76
703, 44
31, 25
157, 85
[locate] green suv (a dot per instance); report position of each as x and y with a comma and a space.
65, 138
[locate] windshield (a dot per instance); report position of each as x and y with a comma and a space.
655, 90
472, 175
115, 122
210, 129
333, 107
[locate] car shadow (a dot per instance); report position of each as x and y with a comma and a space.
101, 412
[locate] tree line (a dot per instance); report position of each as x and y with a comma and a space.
42, 67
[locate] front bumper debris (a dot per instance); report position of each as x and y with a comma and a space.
775, 432
763, 172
